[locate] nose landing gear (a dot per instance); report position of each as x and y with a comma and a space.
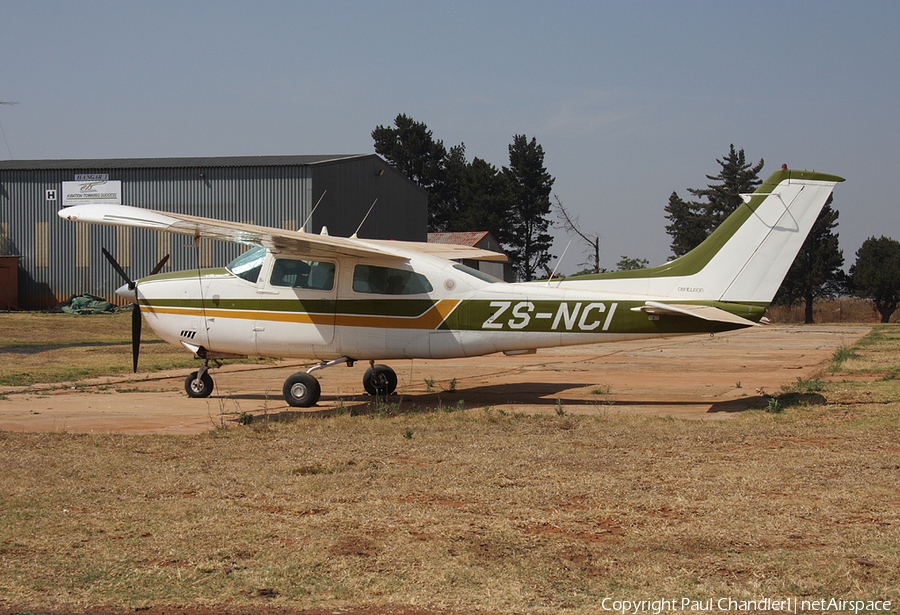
199, 384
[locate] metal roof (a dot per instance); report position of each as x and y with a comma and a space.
469, 238
206, 162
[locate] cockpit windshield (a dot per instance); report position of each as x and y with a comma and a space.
248, 264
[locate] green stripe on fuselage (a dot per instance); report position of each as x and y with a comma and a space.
547, 316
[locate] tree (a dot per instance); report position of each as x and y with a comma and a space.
529, 188
485, 202
411, 148
816, 272
571, 225
413, 151
876, 274
629, 264
693, 221
512, 203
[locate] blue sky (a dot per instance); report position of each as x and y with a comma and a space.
630, 100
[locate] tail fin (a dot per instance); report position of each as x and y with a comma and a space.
747, 257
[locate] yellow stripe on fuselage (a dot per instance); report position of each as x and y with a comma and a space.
430, 319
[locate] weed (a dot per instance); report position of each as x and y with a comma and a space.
218, 423
383, 408
602, 392
841, 355
813, 385
408, 434
341, 409
559, 407
737, 384
245, 418
429, 385
451, 386
774, 407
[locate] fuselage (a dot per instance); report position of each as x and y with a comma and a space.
268, 304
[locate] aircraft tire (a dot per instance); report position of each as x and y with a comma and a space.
302, 390
380, 380
198, 388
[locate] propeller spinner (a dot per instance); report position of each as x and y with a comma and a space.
129, 291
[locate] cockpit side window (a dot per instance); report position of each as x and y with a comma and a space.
248, 265
388, 281
296, 273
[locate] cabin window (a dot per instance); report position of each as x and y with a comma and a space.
387, 281
248, 264
296, 273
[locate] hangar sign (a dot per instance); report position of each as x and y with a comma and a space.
95, 191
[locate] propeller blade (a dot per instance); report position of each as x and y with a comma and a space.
160, 265
135, 334
118, 268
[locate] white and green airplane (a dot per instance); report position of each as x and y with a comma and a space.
342, 300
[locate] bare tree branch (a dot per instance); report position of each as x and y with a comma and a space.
571, 226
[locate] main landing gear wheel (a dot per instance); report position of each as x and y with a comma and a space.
380, 380
197, 385
301, 390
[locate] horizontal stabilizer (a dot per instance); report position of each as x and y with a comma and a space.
703, 312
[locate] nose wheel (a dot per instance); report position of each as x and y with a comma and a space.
199, 384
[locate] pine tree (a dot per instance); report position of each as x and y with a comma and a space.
816, 272
693, 221
529, 185
412, 150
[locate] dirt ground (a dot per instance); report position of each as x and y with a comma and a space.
689, 377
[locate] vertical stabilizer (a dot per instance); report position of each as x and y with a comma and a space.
746, 258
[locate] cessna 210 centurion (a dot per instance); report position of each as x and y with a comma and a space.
342, 300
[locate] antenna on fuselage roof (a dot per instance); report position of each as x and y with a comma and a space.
305, 222
353, 236
559, 262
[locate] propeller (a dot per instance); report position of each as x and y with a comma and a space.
136, 312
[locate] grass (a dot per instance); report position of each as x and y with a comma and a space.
534, 514
474, 510
56, 348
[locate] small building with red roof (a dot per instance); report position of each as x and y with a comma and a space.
477, 239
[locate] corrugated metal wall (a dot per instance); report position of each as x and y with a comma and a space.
350, 189
60, 259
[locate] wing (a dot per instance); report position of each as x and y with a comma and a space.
441, 250
279, 240
703, 312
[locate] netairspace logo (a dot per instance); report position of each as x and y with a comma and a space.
727, 605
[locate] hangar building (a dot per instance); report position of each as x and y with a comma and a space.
57, 259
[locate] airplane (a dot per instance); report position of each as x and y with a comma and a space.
338, 300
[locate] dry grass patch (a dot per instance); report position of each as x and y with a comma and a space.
533, 514
64, 348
